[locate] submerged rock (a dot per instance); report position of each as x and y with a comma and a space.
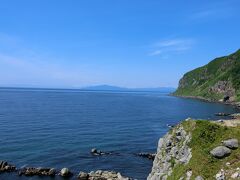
97, 152
220, 152
222, 114
231, 143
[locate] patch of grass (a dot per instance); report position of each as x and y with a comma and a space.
238, 96
172, 161
206, 136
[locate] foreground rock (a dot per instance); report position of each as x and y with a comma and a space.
31, 171
223, 151
101, 175
220, 152
5, 167
231, 143
147, 155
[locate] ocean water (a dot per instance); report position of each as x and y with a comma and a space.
58, 128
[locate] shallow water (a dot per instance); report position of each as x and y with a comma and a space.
58, 128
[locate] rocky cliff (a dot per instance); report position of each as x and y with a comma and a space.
219, 80
197, 149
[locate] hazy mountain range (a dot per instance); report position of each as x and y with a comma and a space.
116, 88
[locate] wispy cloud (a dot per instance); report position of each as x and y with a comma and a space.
156, 52
215, 10
204, 14
171, 46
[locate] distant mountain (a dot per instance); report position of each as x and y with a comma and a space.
104, 88
116, 88
219, 80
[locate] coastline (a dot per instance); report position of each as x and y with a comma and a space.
234, 103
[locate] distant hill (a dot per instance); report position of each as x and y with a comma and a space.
219, 80
104, 88
116, 88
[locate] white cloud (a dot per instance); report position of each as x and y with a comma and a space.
171, 46
154, 53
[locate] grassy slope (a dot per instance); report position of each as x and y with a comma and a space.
208, 75
206, 136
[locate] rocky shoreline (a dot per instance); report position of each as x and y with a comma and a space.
5, 167
233, 103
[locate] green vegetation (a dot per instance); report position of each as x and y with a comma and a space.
213, 81
207, 135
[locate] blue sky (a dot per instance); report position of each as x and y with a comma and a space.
130, 43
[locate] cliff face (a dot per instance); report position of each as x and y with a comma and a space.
219, 80
172, 150
199, 150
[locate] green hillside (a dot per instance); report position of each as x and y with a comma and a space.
219, 80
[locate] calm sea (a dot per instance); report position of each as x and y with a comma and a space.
58, 128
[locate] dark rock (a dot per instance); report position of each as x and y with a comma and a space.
31, 171
220, 152
5, 167
231, 143
226, 98
169, 143
94, 150
178, 133
147, 155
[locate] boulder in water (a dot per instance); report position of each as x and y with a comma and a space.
65, 172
